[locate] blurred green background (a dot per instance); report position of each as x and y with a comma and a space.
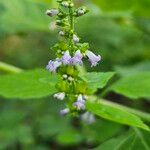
118, 30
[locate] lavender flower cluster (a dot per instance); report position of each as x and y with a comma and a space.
72, 56
66, 59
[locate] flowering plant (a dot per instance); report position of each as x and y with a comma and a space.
70, 53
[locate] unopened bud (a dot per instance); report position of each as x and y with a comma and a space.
52, 12
65, 4
70, 79
65, 76
59, 96
75, 39
71, 5
61, 33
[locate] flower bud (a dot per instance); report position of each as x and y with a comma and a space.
81, 11
61, 22
65, 4
53, 26
65, 76
59, 96
70, 79
71, 4
75, 39
59, 51
61, 33
52, 12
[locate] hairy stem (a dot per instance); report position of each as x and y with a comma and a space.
9, 68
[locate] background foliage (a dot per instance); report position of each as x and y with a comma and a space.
120, 32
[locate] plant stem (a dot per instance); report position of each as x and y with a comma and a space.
9, 68
145, 116
71, 17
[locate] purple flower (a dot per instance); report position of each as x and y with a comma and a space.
59, 96
88, 117
80, 99
80, 103
66, 58
93, 58
77, 59
64, 112
53, 65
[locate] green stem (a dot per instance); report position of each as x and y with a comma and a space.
145, 116
9, 68
71, 17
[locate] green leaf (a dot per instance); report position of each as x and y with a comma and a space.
114, 113
29, 84
132, 140
107, 130
140, 7
135, 86
97, 80
28, 15
70, 137
131, 70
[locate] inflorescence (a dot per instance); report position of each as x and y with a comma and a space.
70, 54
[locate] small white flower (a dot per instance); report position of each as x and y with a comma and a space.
75, 39
59, 96
64, 112
52, 12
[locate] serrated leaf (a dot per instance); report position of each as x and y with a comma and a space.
135, 86
138, 140
97, 80
29, 84
114, 113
